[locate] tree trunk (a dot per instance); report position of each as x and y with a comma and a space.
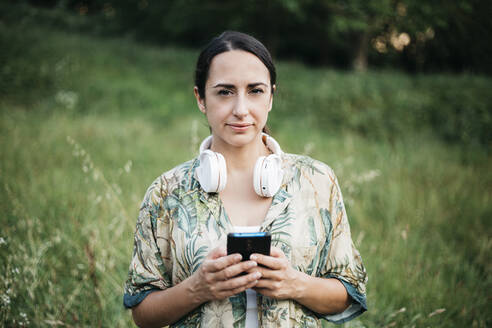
361, 44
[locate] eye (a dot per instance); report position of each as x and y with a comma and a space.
257, 91
224, 92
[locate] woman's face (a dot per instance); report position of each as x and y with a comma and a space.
237, 98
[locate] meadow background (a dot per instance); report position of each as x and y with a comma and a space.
87, 122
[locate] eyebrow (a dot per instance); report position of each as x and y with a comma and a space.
231, 86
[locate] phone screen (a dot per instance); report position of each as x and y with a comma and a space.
247, 243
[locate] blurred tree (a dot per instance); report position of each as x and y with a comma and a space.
414, 34
460, 32
358, 21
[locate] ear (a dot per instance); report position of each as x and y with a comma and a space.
200, 101
271, 97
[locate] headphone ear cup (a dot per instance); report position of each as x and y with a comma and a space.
268, 175
212, 173
222, 172
257, 176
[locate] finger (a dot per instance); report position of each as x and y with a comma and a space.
263, 291
215, 265
243, 288
267, 284
276, 252
269, 261
267, 273
232, 292
240, 289
233, 270
217, 253
252, 284
238, 282
254, 269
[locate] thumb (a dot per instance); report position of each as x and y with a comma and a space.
276, 252
217, 252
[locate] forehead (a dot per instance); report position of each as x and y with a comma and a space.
237, 67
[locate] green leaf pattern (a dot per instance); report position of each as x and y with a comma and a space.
179, 224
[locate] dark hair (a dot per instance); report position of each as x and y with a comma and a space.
227, 41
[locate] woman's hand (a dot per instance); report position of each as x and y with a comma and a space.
279, 280
217, 278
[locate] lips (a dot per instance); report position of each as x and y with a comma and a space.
239, 125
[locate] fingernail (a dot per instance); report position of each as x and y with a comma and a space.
238, 257
257, 275
253, 264
253, 257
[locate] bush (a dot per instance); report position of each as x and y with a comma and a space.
387, 105
24, 72
32, 65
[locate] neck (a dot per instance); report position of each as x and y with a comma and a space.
241, 158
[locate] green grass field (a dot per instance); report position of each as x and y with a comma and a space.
88, 123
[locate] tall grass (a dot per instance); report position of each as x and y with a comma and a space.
75, 163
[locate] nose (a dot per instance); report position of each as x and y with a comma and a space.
240, 107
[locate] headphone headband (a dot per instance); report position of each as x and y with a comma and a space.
267, 177
271, 144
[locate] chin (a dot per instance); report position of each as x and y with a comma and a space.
239, 139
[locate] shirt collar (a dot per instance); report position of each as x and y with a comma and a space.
280, 200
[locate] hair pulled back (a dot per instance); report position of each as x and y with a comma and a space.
227, 41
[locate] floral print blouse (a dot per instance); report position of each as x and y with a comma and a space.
179, 223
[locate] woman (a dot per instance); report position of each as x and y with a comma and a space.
180, 274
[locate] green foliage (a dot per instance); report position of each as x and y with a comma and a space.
387, 105
75, 164
21, 70
416, 35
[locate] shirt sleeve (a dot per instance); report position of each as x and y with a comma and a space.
342, 259
148, 270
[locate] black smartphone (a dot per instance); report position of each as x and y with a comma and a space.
247, 243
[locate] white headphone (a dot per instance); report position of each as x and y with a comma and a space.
268, 174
